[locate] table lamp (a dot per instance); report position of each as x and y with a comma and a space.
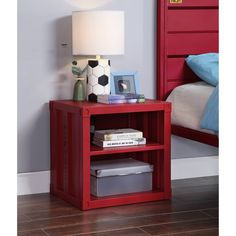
98, 33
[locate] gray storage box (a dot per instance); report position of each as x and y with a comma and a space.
120, 176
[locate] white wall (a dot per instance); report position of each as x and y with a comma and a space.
44, 68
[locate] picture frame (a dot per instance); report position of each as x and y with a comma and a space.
125, 82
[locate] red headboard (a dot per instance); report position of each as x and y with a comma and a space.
184, 27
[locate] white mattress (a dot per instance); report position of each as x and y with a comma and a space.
188, 104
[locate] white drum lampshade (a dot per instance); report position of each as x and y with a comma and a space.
98, 33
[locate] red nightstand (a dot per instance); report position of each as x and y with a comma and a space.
72, 151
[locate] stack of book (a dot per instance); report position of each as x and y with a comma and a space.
118, 137
120, 98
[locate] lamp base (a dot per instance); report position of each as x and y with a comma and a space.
98, 78
79, 93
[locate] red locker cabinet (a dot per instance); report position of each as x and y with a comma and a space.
72, 151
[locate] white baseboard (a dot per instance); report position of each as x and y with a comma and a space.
33, 182
186, 168
38, 182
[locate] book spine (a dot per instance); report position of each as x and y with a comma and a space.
122, 101
121, 136
116, 143
117, 97
110, 97
118, 101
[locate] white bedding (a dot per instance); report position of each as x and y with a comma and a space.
188, 104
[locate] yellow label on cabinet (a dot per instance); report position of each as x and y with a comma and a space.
176, 1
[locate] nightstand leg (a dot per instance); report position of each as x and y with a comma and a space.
167, 155
85, 162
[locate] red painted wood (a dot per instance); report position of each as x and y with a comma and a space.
160, 181
78, 143
167, 143
194, 3
53, 129
66, 151
126, 199
196, 135
96, 151
200, 20
190, 27
71, 155
85, 159
60, 151
103, 109
71, 151
182, 41
178, 71
187, 44
75, 140
161, 48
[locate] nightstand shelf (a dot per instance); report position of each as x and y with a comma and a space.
126, 199
95, 150
72, 151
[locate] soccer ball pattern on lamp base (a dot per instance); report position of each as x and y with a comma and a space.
98, 78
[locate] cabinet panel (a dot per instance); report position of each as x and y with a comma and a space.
72, 151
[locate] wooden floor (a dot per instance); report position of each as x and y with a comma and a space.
192, 211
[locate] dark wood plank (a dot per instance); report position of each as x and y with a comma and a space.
164, 207
124, 232
181, 227
124, 223
189, 192
212, 212
206, 232
66, 221
36, 199
45, 204
32, 233
197, 195
212, 180
22, 218
53, 213
194, 200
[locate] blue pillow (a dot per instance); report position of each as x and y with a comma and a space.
205, 66
210, 119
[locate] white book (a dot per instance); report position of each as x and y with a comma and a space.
117, 143
118, 134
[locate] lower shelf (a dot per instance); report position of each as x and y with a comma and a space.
127, 199
99, 202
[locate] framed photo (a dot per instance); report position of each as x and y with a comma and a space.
124, 83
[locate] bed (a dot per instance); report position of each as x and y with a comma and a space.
184, 27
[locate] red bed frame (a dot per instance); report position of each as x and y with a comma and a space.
184, 27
